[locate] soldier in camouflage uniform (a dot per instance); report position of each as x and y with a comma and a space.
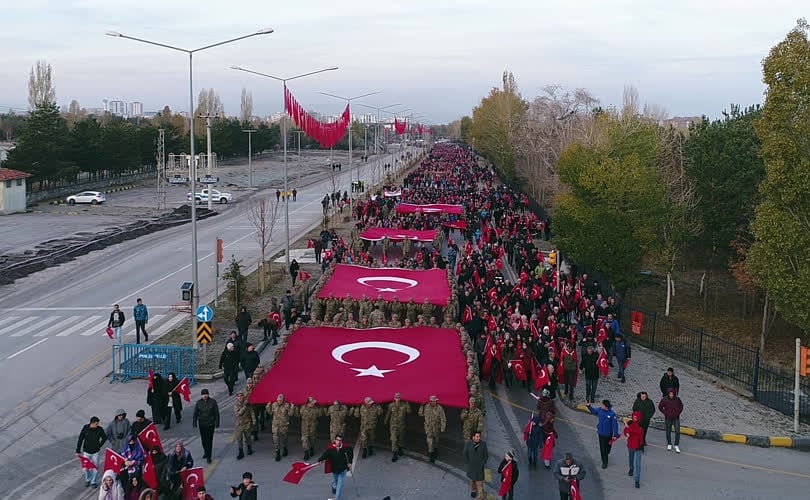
256, 409
245, 422
351, 323
475, 393
376, 318
428, 310
382, 305
397, 308
309, 414
435, 423
472, 419
337, 419
281, 411
348, 307
432, 323
395, 321
411, 310
332, 307
368, 413
366, 306
395, 419
448, 322
318, 309
339, 318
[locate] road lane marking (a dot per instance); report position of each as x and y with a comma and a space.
27, 348
9, 319
12, 326
661, 447
36, 325
59, 325
82, 325
155, 319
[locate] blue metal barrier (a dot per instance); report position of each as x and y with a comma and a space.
135, 361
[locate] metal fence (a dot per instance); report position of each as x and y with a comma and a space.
726, 360
135, 360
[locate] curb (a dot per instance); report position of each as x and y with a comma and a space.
798, 443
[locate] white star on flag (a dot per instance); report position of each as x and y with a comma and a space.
371, 371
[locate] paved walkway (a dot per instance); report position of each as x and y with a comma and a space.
707, 404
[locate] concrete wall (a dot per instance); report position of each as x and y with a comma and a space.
61, 193
12, 199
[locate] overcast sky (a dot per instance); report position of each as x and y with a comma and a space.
438, 57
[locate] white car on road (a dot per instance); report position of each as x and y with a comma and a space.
216, 196
92, 197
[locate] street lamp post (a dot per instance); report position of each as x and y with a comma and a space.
377, 133
284, 140
298, 137
348, 102
250, 133
195, 295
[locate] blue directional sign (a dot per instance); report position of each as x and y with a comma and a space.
205, 314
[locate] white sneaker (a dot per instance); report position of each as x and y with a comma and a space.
669, 447
677, 450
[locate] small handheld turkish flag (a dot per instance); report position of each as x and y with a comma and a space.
548, 447
575, 495
468, 316
149, 437
110, 332
542, 378
304, 276
149, 476
297, 472
86, 462
626, 363
151, 376
519, 369
192, 479
113, 461
184, 389
602, 363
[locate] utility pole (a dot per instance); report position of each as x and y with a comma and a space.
161, 170
298, 133
250, 132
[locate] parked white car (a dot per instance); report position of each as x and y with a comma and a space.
91, 197
216, 196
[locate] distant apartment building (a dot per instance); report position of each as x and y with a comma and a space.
680, 122
117, 108
135, 109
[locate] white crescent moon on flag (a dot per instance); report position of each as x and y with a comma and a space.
405, 281
340, 351
150, 431
195, 476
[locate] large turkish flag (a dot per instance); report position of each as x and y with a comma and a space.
347, 364
389, 282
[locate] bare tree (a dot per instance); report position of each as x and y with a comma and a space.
263, 214
75, 113
41, 89
246, 108
209, 102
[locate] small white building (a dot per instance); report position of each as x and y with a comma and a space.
12, 191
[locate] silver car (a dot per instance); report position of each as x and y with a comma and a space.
91, 197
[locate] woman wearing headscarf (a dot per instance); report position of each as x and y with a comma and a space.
111, 488
157, 397
133, 461
174, 401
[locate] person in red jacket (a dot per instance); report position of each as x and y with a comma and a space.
672, 406
635, 446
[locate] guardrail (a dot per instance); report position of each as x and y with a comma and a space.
135, 360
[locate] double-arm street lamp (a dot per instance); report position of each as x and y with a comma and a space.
195, 295
284, 140
377, 133
348, 102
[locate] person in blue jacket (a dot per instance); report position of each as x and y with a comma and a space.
607, 429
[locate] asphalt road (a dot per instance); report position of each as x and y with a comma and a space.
52, 322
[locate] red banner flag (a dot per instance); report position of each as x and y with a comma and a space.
542, 378
113, 461
149, 437
192, 479
184, 389
548, 447
149, 476
297, 472
602, 363
626, 363
575, 495
151, 376
468, 315
519, 369
86, 462
506, 479
304, 276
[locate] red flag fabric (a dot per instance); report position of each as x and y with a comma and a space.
86, 462
192, 479
506, 479
110, 332
527, 429
626, 363
149, 437
542, 378
297, 472
310, 243
304, 276
468, 315
113, 461
184, 389
548, 447
359, 281
377, 362
148, 474
151, 376
602, 363
396, 234
477, 278
575, 494
519, 369
273, 316
493, 294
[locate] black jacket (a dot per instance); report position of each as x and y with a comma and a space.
137, 427
243, 493
91, 440
515, 471
206, 413
647, 408
243, 321
121, 319
667, 382
588, 364
229, 359
338, 459
250, 360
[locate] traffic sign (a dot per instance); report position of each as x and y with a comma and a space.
204, 332
205, 313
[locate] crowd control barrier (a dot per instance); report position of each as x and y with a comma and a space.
135, 360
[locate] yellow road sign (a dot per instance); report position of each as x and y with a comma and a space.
204, 332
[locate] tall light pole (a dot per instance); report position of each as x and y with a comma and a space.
349, 102
377, 133
284, 140
195, 295
250, 132
396, 113
298, 137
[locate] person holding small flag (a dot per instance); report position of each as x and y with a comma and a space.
568, 474
549, 439
247, 489
607, 429
174, 401
91, 438
532, 435
588, 366
338, 460
509, 472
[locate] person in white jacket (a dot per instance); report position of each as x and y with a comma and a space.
111, 488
